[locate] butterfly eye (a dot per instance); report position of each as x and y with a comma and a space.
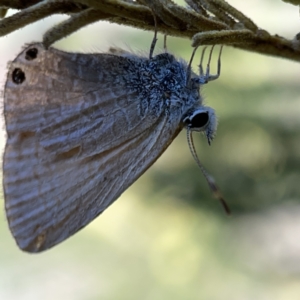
197, 121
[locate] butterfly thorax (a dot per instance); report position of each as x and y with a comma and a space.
165, 78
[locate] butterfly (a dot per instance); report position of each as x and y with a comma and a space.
81, 128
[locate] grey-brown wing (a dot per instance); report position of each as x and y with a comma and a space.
75, 141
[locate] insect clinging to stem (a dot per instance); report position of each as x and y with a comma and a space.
81, 128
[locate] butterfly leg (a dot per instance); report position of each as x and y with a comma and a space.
153, 43
207, 76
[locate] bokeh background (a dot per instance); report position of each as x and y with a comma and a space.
166, 237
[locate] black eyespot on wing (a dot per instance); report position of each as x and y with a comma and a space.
18, 76
31, 53
197, 121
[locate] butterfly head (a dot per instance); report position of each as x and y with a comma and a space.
202, 119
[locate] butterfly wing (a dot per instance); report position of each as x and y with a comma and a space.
76, 139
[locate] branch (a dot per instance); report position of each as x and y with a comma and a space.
206, 22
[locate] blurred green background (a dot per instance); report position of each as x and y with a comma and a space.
166, 237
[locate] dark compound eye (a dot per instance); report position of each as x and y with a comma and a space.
197, 121
18, 76
31, 54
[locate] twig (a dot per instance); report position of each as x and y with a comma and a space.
203, 21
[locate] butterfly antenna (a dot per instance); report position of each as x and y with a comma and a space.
153, 43
210, 180
189, 72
